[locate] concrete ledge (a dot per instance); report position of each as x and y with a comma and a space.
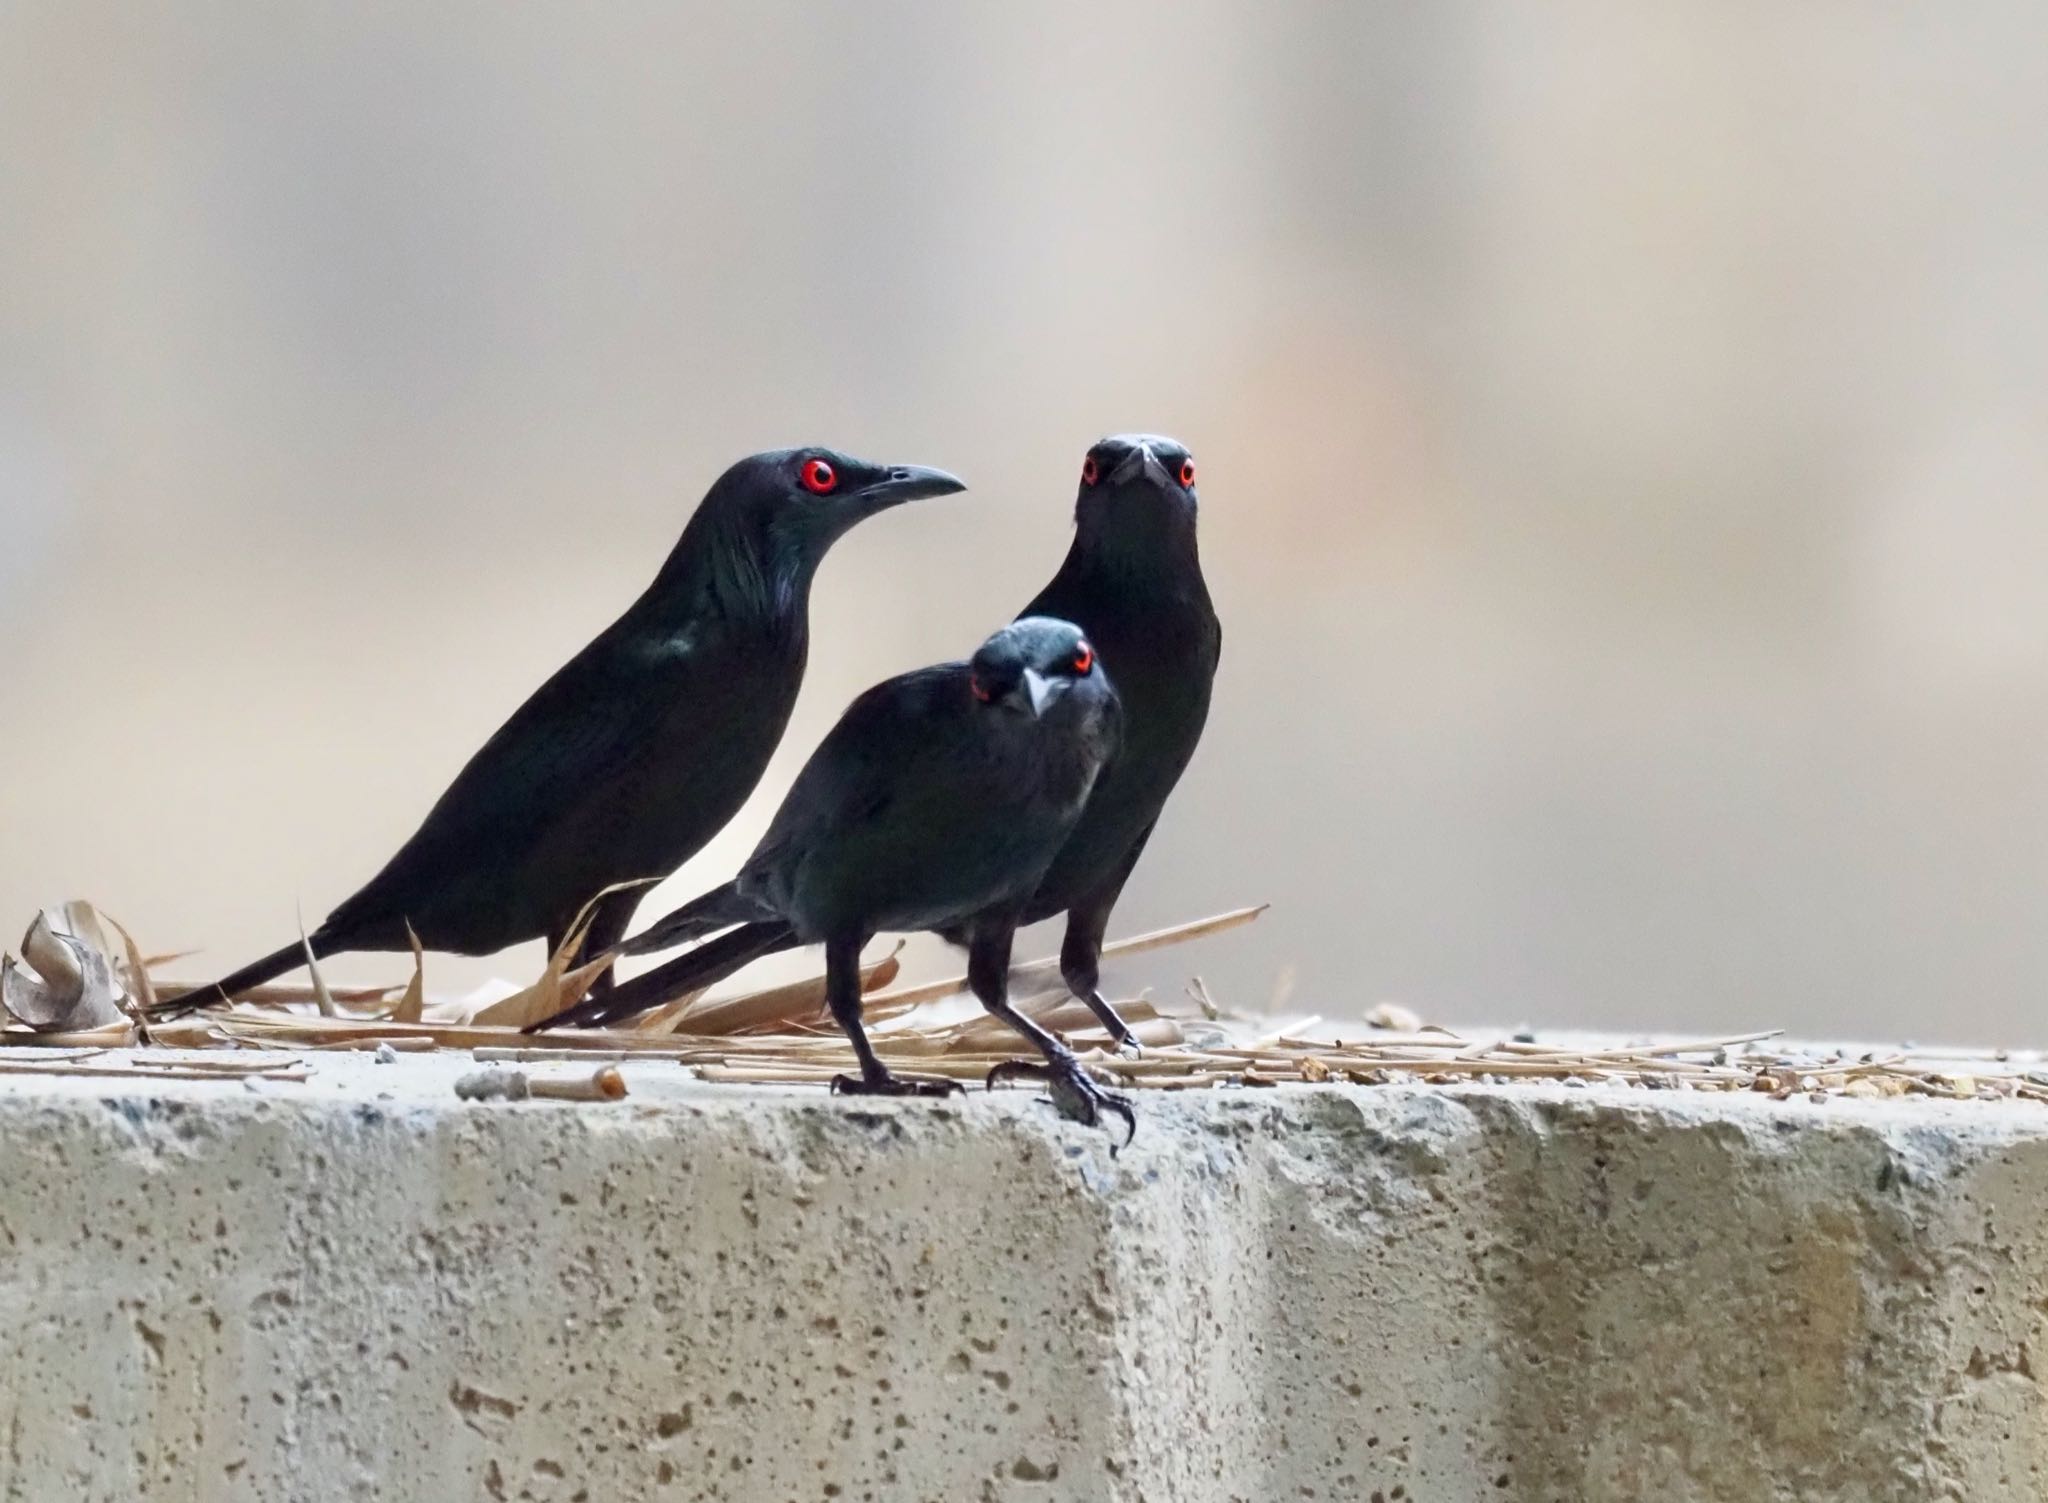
360, 1288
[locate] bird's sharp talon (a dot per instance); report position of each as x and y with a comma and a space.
1013, 1068
1123, 1109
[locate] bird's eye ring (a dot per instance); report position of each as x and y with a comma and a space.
978, 689
818, 477
1187, 473
1090, 471
1084, 659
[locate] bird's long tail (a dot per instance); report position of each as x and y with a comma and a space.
254, 974
706, 965
720, 908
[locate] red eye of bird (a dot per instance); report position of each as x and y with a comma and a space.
1084, 659
1187, 473
819, 477
977, 689
1090, 471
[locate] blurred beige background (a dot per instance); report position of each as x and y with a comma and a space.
1624, 438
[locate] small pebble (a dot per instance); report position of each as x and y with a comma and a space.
386, 1055
1572, 1080
1525, 1035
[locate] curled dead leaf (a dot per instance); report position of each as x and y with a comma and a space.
64, 980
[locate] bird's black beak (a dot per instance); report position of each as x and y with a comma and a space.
908, 482
1140, 461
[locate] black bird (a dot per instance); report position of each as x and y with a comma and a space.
1133, 582
639, 749
936, 802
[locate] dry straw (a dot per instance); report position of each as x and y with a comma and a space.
783, 1035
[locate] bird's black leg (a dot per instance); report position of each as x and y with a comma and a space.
842, 995
608, 925
1074, 1092
1081, 950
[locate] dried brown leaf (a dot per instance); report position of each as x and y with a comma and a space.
413, 1004
135, 980
556, 991
662, 1019
783, 1006
559, 988
321, 995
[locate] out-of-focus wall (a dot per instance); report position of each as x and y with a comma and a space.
1624, 440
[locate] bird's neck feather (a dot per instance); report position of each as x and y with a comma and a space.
748, 576
1147, 552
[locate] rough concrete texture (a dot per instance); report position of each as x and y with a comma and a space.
360, 1288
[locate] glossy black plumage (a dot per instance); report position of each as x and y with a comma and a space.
637, 751
936, 802
1132, 580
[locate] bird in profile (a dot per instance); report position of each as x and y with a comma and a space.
936, 803
1132, 580
638, 750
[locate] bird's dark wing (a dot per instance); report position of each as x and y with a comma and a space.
862, 767
919, 808
579, 745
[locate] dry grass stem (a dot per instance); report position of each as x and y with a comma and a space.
782, 1035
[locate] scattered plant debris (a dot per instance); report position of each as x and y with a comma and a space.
73, 990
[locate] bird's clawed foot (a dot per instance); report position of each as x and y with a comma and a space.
888, 1083
1073, 1091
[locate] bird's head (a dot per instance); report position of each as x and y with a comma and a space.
1042, 668
1136, 483
788, 506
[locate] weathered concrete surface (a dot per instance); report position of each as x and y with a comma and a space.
360, 1288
